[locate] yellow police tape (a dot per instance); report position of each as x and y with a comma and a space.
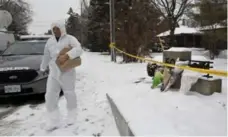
212, 72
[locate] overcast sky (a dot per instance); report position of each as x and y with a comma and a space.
47, 11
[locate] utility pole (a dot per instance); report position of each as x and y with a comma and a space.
81, 24
112, 29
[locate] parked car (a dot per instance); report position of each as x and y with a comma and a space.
19, 69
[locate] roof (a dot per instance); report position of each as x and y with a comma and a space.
181, 30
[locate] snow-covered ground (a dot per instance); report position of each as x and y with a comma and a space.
98, 76
94, 116
150, 112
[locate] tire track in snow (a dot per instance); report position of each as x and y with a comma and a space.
6, 111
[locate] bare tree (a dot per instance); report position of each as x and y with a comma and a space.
213, 18
172, 10
85, 5
136, 25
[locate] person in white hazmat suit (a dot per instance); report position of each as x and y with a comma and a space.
58, 80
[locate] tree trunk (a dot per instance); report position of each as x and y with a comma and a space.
172, 37
211, 51
128, 59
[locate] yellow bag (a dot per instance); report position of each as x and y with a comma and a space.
69, 64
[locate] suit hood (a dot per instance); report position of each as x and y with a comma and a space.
61, 25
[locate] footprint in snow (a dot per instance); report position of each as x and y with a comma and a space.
75, 133
92, 116
99, 120
84, 109
32, 106
87, 120
32, 134
223, 104
97, 135
83, 130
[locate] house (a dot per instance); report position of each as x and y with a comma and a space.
185, 36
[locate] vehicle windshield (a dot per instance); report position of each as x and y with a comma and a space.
25, 48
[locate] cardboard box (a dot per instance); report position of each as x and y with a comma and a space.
69, 64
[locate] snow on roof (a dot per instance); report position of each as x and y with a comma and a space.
195, 51
32, 41
34, 36
181, 30
178, 49
199, 58
210, 27
193, 57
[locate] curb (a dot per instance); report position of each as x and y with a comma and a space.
121, 123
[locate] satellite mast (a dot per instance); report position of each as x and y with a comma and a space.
6, 37
5, 19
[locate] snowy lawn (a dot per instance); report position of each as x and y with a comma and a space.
148, 111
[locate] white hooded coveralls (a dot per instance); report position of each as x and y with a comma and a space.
58, 80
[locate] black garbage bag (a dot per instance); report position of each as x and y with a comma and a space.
151, 68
